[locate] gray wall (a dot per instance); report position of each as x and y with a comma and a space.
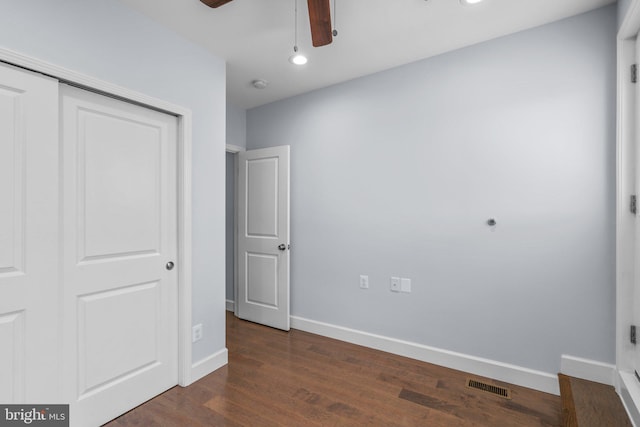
623, 8
236, 125
396, 174
104, 39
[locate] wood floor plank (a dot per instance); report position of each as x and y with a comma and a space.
604, 411
275, 378
568, 405
333, 388
270, 399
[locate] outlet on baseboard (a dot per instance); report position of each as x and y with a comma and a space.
196, 334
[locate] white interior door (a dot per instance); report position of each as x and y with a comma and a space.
29, 345
263, 236
119, 209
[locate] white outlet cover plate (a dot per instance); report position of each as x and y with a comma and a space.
364, 281
196, 333
395, 284
405, 285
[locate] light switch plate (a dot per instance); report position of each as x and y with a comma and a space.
364, 282
405, 285
395, 284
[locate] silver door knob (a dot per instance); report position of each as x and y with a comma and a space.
282, 246
170, 265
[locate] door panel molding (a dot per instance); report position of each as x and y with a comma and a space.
263, 173
188, 372
101, 343
12, 182
12, 355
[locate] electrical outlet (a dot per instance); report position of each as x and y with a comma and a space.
405, 285
196, 332
395, 284
364, 282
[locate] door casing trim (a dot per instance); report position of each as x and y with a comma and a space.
626, 274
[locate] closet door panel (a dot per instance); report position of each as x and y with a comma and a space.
11, 182
29, 279
120, 231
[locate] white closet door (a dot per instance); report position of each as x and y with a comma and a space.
29, 345
120, 229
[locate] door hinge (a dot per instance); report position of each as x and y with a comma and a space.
634, 73
633, 204
632, 334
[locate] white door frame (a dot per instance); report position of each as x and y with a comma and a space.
626, 384
234, 149
184, 260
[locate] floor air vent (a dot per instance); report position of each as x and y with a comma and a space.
489, 388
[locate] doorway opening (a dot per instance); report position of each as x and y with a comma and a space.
231, 164
257, 235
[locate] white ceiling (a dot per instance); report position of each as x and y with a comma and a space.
256, 37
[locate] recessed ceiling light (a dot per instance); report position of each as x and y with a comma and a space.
260, 84
298, 59
467, 2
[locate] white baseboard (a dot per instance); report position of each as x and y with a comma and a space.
204, 367
230, 305
586, 369
630, 394
512, 374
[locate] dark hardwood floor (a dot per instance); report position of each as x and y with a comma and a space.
276, 378
589, 404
